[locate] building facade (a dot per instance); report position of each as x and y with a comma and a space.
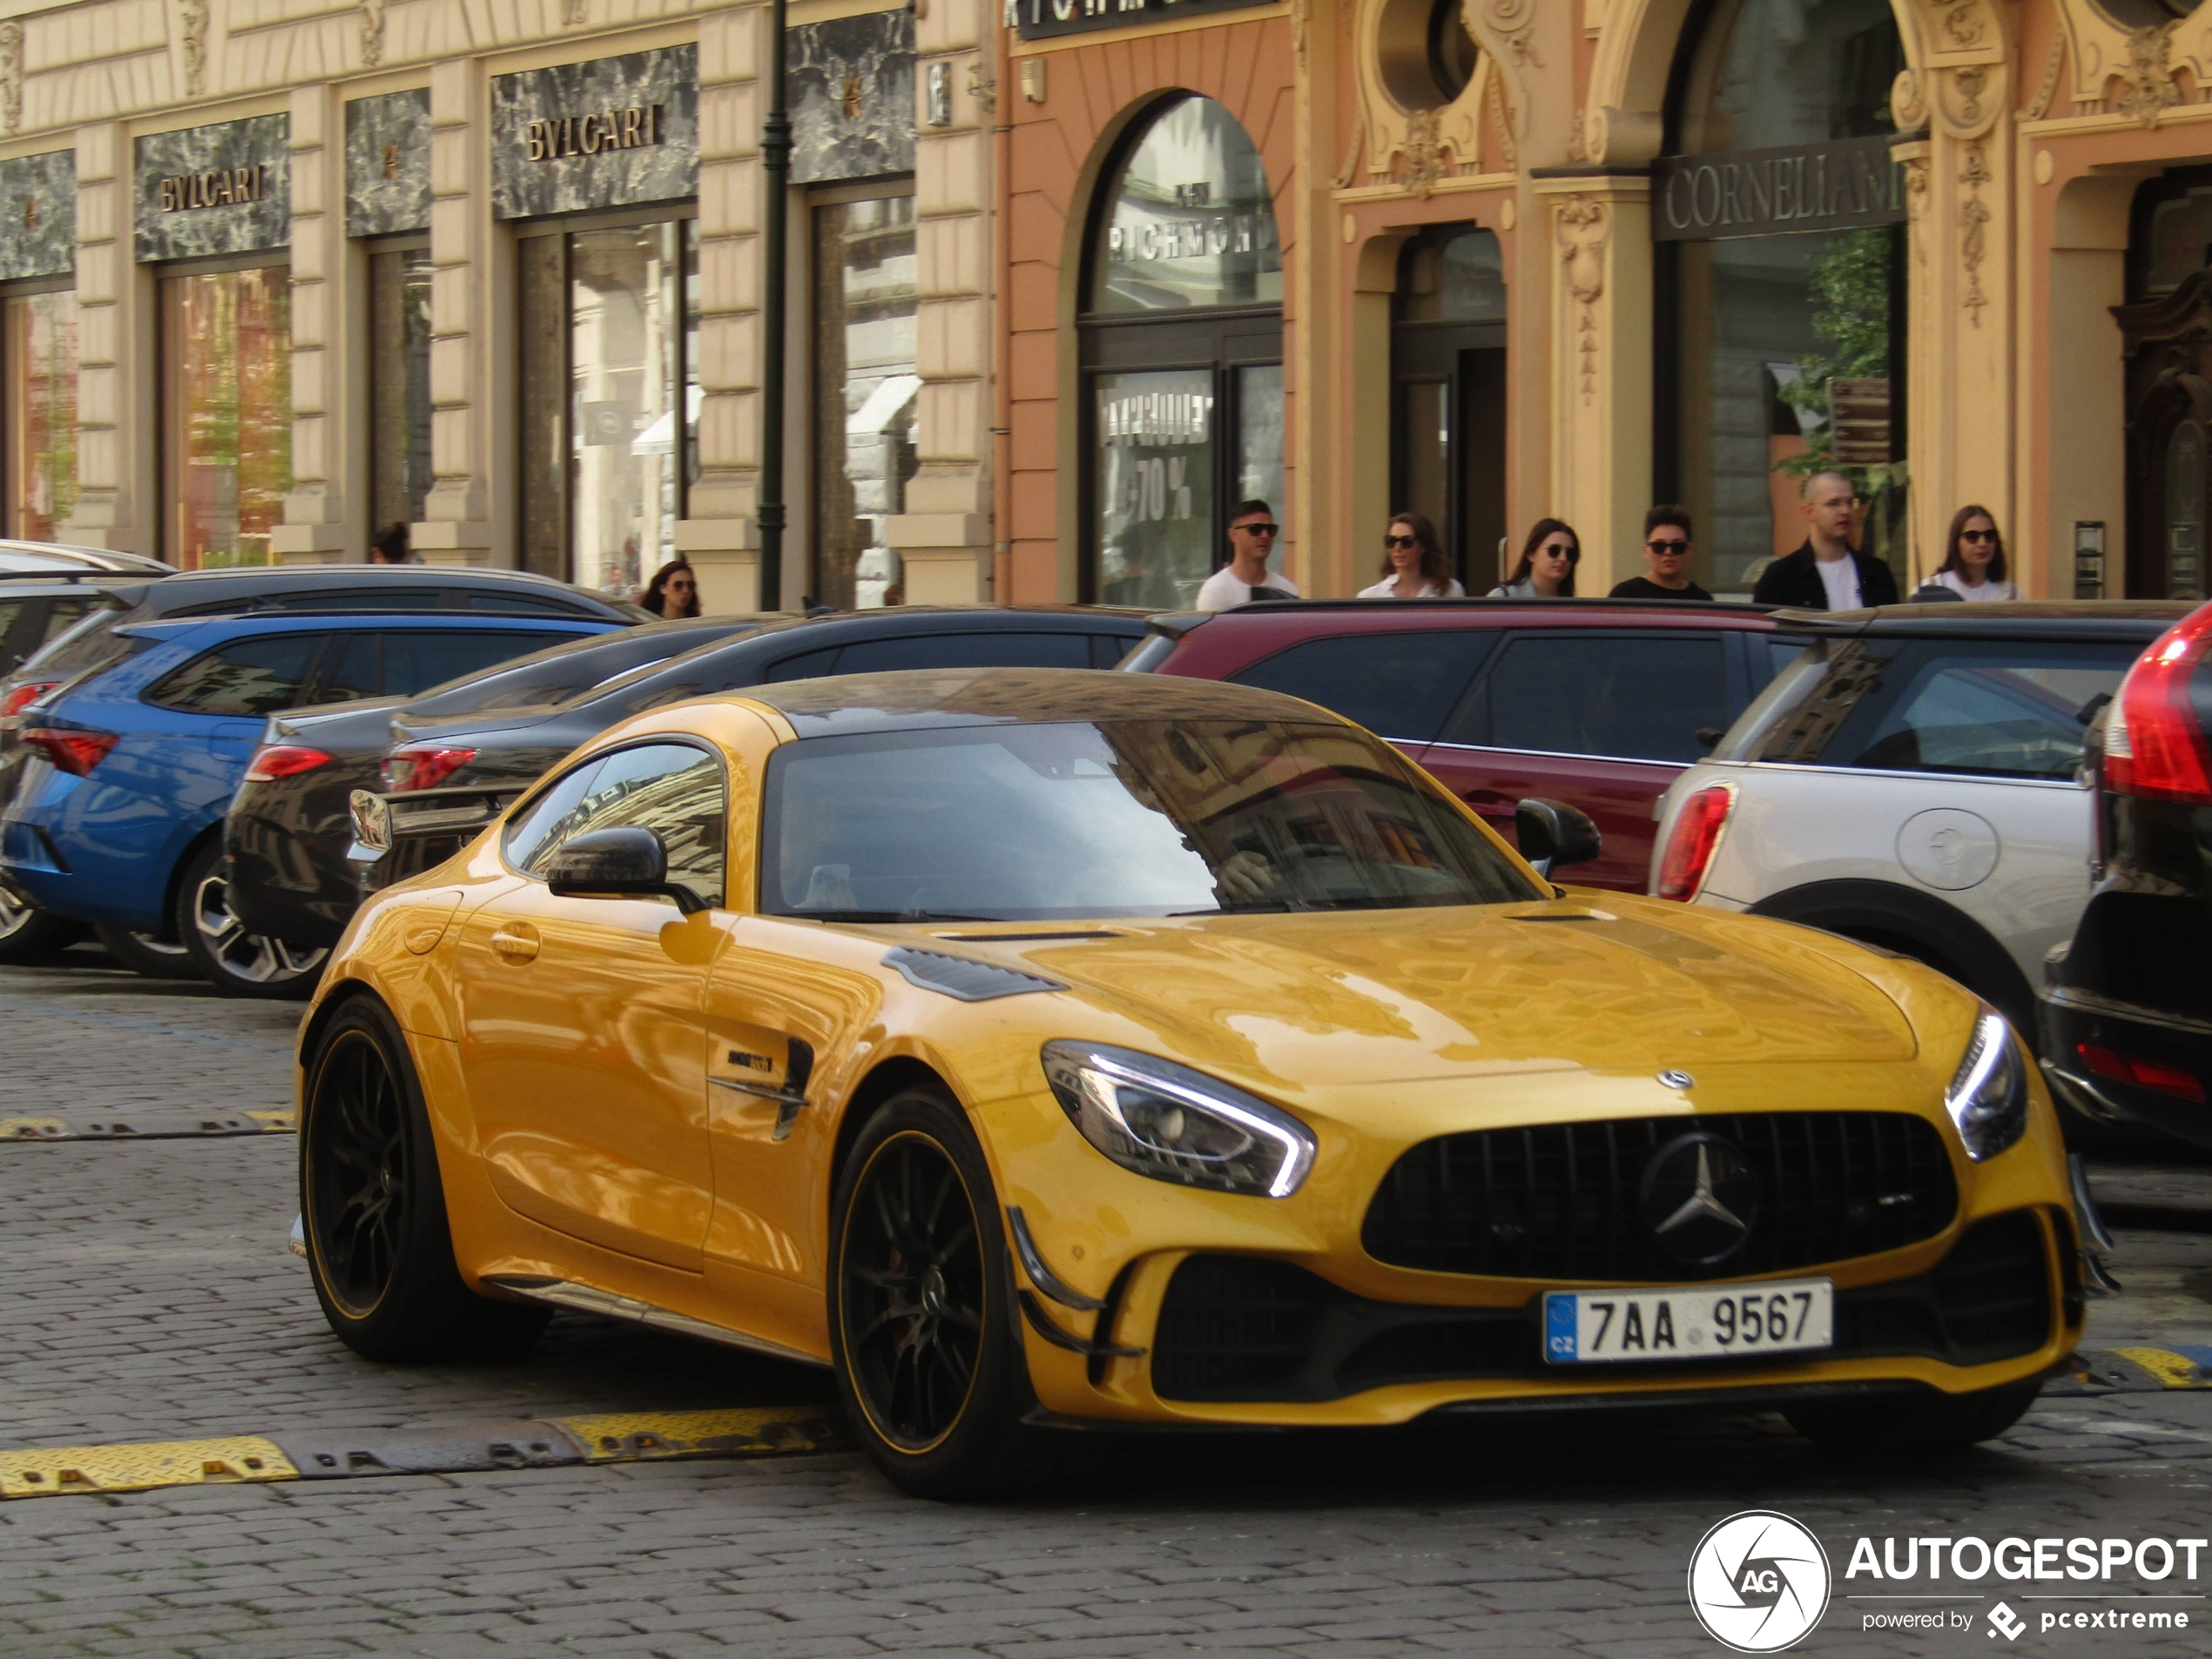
1071, 279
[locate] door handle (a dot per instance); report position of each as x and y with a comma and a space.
515, 943
1481, 798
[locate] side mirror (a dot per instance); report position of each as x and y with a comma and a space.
627, 862
1551, 834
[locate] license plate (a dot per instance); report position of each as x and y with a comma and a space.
1781, 1316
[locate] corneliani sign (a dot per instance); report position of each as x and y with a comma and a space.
1038, 19
1836, 186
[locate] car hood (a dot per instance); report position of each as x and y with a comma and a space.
1592, 982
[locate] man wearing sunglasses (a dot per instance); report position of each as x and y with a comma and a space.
1252, 530
1666, 560
1826, 574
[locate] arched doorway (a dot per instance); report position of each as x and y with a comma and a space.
1181, 342
1447, 369
1780, 344
2167, 330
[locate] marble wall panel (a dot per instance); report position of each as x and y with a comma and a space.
38, 215
613, 132
223, 188
388, 163
850, 83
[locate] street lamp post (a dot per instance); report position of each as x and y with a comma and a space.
775, 161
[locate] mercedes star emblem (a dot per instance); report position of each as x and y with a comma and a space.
1677, 1079
1700, 1197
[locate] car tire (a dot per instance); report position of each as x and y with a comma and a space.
930, 1363
235, 963
1929, 1424
146, 954
380, 1248
27, 932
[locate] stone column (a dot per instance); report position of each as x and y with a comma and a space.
317, 527
721, 535
1598, 227
464, 523
116, 455
944, 538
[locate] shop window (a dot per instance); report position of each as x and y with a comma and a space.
39, 355
399, 328
226, 427
2166, 330
866, 392
1448, 378
1787, 351
610, 399
1182, 351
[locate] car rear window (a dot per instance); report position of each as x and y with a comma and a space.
1626, 696
1008, 649
247, 677
401, 662
1398, 684
1995, 709
91, 643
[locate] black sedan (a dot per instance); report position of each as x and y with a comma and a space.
287, 828
449, 770
2126, 1013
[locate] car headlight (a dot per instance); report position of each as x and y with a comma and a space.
1988, 1097
1176, 1124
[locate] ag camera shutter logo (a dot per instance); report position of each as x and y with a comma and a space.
1759, 1581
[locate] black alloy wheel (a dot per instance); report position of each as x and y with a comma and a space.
235, 963
373, 1209
913, 1291
927, 1348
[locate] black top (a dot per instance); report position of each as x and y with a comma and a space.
1637, 587
1791, 580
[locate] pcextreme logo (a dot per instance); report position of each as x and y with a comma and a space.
1759, 1581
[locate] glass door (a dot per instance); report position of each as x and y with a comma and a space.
1448, 385
865, 391
399, 388
226, 425
39, 355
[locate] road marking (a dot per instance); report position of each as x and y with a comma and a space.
2135, 1370
148, 1126
545, 1443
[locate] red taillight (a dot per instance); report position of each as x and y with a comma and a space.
2155, 745
424, 768
274, 760
22, 697
75, 752
2144, 1074
1689, 848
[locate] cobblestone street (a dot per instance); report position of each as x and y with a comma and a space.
149, 1296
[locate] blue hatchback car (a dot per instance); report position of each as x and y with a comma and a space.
118, 819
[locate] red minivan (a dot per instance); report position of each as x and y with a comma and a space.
1598, 702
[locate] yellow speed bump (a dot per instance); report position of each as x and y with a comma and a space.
629, 1437
2173, 1370
32, 1129
280, 1121
47, 1471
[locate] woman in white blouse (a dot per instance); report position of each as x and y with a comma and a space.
1413, 566
1974, 567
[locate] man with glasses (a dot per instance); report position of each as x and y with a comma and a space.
1252, 530
1826, 574
1666, 560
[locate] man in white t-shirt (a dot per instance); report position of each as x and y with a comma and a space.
1252, 530
1826, 574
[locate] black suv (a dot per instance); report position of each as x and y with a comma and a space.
2125, 1020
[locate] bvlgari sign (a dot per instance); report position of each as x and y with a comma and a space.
612, 133
220, 189
1837, 186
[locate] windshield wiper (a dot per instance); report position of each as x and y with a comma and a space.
883, 916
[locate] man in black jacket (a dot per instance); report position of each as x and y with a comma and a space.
1824, 574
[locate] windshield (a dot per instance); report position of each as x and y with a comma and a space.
561, 672
1142, 818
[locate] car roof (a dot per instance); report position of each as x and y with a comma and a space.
2142, 619
245, 588
842, 627
1294, 617
286, 622
73, 579
845, 705
20, 556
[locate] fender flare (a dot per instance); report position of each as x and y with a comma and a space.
1917, 925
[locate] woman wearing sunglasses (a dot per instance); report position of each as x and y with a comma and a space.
1973, 567
1548, 562
1413, 566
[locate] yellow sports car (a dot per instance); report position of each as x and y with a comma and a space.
1051, 1049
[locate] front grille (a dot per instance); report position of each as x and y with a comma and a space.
1561, 1201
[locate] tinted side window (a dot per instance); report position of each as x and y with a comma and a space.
1008, 650
349, 669
1398, 684
1634, 696
393, 598
416, 661
2012, 711
526, 604
1108, 649
672, 789
807, 665
247, 677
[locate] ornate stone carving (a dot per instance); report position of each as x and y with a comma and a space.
372, 32
1963, 24
1342, 181
2147, 89
1973, 230
10, 75
1908, 102
2048, 89
1502, 122
983, 88
572, 13
1513, 22
1423, 152
1583, 227
194, 15
1578, 142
